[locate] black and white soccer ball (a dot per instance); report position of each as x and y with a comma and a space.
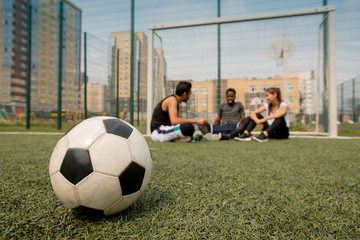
101, 164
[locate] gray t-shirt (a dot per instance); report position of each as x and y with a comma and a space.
231, 114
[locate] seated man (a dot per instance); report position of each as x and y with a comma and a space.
166, 123
230, 114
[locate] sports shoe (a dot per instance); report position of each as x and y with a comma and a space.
183, 139
196, 138
261, 138
212, 137
243, 138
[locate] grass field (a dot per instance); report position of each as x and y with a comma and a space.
290, 189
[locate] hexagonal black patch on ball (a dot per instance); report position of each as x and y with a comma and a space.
131, 178
117, 127
76, 165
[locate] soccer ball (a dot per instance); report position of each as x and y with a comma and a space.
101, 164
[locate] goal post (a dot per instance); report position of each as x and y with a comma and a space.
329, 73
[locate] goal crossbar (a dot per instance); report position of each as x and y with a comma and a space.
244, 18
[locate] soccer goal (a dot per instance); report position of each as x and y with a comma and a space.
293, 50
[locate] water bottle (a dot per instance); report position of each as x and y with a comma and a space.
197, 136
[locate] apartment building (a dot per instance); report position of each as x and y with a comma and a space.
44, 55
95, 96
123, 44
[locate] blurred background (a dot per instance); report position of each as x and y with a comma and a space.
63, 61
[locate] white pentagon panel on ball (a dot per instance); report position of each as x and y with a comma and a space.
110, 154
57, 155
122, 204
140, 149
64, 190
146, 178
98, 191
85, 133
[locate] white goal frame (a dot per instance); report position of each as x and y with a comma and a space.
330, 73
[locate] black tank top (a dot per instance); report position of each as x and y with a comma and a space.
160, 117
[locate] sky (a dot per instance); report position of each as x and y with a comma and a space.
244, 46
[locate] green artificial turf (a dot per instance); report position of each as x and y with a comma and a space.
282, 189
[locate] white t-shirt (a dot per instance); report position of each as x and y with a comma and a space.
286, 116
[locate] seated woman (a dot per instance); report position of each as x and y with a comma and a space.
274, 125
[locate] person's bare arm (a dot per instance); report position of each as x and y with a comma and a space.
253, 114
217, 120
171, 105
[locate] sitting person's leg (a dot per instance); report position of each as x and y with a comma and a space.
207, 130
277, 129
245, 127
169, 133
226, 129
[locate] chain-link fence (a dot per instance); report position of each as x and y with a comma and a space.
117, 86
348, 94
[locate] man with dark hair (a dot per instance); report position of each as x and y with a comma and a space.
166, 123
230, 114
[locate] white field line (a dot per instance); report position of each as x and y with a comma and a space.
33, 133
292, 135
324, 137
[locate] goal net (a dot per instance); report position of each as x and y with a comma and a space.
291, 50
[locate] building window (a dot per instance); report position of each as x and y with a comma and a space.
290, 88
6, 77
253, 89
5, 86
203, 102
263, 88
291, 100
276, 86
204, 91
5, 95
194, 90
193, 102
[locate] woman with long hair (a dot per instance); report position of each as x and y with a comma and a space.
274, 125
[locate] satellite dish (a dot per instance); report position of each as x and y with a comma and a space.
281, 48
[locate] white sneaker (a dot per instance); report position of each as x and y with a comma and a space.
212, 137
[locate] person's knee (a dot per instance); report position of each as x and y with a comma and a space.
206, 128
187, 129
